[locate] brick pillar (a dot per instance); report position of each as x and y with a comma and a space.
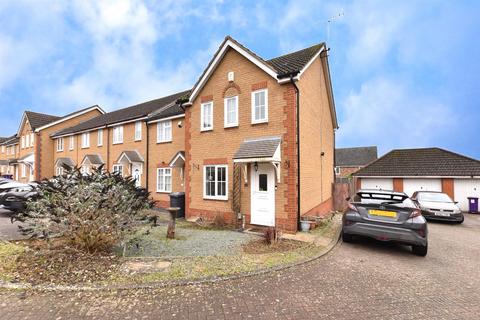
447, 187
358, 184
398, 184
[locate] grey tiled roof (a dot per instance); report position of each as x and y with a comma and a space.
258, 148
4, 162
170, 110
94, 159
38, 120
433, 162
354, 157
10, 140
65, 161
132, 155
295, 61
130, 113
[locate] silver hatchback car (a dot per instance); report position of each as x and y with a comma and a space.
386, 216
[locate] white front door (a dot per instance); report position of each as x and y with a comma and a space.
263, 195
137, 174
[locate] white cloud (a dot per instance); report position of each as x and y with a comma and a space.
390, 111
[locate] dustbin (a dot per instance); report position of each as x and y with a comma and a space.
472, 204
177, 199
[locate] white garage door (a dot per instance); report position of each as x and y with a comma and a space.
464, 188
379, 184
412, 185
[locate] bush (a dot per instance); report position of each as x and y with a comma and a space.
92, 211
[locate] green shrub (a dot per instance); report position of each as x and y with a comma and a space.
92, 211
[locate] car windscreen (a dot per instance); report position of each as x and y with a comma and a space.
398, 200
433, 197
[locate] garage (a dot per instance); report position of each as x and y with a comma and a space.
427, 169
464, 188
412, 185
379, 184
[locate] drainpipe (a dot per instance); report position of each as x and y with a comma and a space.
147, 152
297, 94
108, 148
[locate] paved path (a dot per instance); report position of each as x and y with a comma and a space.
8, 231
364, 280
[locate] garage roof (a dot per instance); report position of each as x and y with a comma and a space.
359, 156
427, 162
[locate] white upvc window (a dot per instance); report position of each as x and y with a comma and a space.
164, 131
59, 171
71, 142
100, 137
164, 180
118, 168
206, 116
24, 170
117, 134
337, 170
215, 182
86, 140
60, 144
32, 138
260, 106
138, 131
3, 149
231, 112
27, 141
85, 169
23, 142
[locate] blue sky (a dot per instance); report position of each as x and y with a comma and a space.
405, 73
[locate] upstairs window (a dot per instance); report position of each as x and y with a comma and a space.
60, 144
27, 141
100, 137
3, 149
206, 116
164, 131
31, 139
117, 134
260, 106
86, 140
71, 142
215, 182
23, 142
231, 111
138, 131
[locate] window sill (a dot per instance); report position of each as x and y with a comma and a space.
259, 122
167, 141
117, 142
231, 126
85, 147
215, 199
137, 140
164, 192
206, 130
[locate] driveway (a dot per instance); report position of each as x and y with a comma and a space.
363, 280
8, 231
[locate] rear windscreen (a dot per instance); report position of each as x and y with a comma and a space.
390, 199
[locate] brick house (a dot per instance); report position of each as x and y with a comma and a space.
9, 151
30, 152
134, 141
426, 169
259, 137
350, 160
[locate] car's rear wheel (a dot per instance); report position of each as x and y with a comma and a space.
420, 250
347, 237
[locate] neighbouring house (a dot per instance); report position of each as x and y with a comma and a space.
8, 155
134, 141
260, 137
430, 169
35, 147
350, 160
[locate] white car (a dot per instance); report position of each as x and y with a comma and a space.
437, 206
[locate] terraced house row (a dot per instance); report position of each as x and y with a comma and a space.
253, 139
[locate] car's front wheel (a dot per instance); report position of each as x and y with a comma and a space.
347, 237
420, 250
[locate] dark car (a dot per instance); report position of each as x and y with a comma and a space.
15, 199
386, 216
437, 206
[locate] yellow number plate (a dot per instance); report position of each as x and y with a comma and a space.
391, 214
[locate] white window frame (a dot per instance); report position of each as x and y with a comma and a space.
59, 171
164, 176
27, 141
24, 170
71, 143
264, 120
32, 138
216, 196
100, 137
85, 140
202, 116
117, 135
162, 127
3, 149
59, 144
225, 112
23, 142
85, 169
138, 131
337, 170
116, 168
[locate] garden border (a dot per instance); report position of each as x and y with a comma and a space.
175, 283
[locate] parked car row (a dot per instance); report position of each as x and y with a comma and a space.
393, 216
14, 195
